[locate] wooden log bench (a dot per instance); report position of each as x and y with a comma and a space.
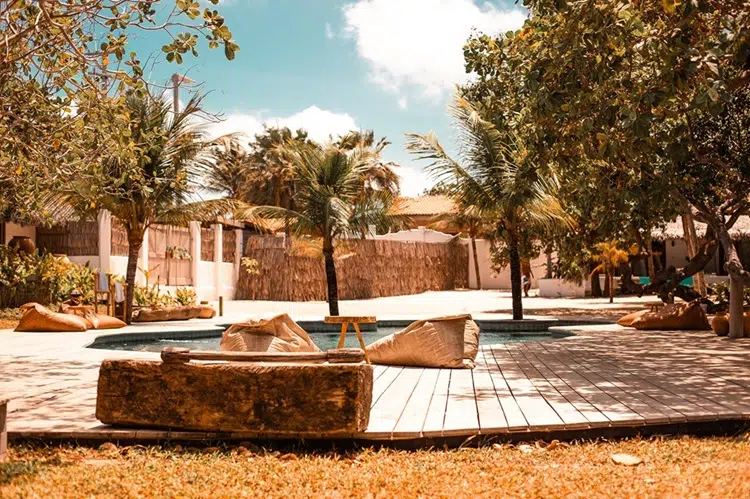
275, 394
3, 430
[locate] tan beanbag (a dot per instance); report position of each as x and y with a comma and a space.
678, 316
441, 342
108, 322
720, 324
166, 314
206, 312
37, 318
627, 320
280, 334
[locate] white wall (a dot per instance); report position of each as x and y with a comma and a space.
229, 283
91, 261
119, 265
420, 235
12, 230
207, 290
676, 251
492, 280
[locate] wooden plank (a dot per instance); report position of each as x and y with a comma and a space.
513, 414
461, 416
412, 420
566, 411
537, 411
387, 411
591, 413
651, 411
618, 413
433, 423
491, 415
384, 381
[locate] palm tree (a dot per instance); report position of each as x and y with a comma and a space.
380, 176
494, 174
226, 175
609, 258
156, 184
470, 221
328, 202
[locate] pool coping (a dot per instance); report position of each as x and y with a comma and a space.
526, 327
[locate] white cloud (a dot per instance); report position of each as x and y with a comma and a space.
319, 123
403, 103
420, 42
329, 32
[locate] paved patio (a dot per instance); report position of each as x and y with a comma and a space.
606, 376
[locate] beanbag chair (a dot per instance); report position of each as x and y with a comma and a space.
451, 341
677, 316
627, 320
37, 318
92, 319
166, 314
206, 312
720, 324
279, 334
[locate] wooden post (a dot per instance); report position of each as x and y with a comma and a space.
218, 257
221, 306
3, 430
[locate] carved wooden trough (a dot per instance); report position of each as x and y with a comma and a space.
274, 394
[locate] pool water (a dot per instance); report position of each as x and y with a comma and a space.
324, 341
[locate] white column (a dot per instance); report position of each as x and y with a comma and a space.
237, 255
195, 256
104, 220
140, 277
218, 252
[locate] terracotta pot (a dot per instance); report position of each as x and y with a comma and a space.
24, 244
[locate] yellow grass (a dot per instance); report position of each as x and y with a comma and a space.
679, 467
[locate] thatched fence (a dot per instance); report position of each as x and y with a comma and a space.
72, 239
366, 269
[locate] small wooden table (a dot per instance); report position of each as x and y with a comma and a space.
345, 320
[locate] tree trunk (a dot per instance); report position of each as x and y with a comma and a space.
134, 247
611, 282
596, 286
332, 284
607, 287
736, 307
515, 275
548, 274
738, 276
691, 240
476, 262
650, 257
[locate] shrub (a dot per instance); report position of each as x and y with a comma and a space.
185, 297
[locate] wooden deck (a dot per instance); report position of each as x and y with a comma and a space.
605, 377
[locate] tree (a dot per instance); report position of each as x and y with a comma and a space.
621, 84
59, 63
469, 220
226, 174
609, 257
328, 201
493, 174
157, 184
380, 176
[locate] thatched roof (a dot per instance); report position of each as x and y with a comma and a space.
673, 230
424, 206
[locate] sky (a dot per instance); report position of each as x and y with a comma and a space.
330, 66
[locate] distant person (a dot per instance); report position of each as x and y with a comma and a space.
526, 275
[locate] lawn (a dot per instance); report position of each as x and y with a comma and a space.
676, 467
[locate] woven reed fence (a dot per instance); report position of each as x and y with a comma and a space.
229, 238
72, 239
368, 269
207, 244
15, 296
119, 246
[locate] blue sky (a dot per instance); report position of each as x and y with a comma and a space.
332, 65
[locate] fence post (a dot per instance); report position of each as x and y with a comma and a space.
143, 261
218, 256
195, 257
237, 255
104, 221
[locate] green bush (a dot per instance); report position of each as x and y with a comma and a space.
721, 292
44, 277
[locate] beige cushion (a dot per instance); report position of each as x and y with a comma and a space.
451, 341
678, 316
627, 320
37, 318
279, 334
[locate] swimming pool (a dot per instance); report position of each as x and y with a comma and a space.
324, 340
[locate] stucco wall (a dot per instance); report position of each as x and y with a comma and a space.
12, 230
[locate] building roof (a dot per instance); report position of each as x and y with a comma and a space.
673, 230
424, 206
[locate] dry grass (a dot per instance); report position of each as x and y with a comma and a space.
680, 467
9, 318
